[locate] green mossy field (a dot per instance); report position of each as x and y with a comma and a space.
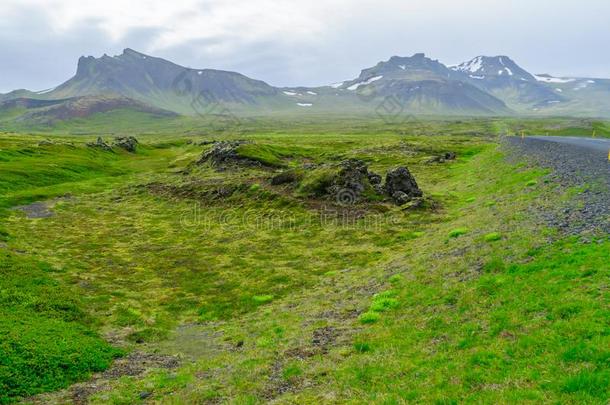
268, 292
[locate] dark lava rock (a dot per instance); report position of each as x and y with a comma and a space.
286, 177
354, 180
205, 143
350, 182
129, 143
376, 180
224, 153
145, 394
309, 166
400, 197
450, 156
401, 185
100, 144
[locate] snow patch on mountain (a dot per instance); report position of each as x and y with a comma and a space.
551, 79
364, 83
472, 66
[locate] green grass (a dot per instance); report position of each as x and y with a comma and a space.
493, 237
305, 301
456, 233
47, 340
129, 122
271, 155
509, 335
369, 317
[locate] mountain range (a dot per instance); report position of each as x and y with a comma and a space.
401, 85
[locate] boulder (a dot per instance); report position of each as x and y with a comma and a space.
401, 186
450, 155
400, 197
100, 144
128, 143
350, 182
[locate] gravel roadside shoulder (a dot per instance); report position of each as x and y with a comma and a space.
572, 166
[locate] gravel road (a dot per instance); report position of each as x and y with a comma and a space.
581, 162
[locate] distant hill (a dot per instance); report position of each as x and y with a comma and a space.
47, 112
406, 85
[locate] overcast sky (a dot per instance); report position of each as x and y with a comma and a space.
310, 42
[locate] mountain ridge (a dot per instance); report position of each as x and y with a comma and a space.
484, 85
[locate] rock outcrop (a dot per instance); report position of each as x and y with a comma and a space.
100, 144
400, 185
352, 180
224, 153
128, 143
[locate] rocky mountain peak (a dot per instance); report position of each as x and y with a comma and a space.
483, 67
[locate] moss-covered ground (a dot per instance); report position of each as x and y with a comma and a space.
275, 293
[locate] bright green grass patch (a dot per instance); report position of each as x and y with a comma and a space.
29, 172
262, 299
362, 347
544, 321
46, 342
458, 232
384, 304
369, 317
492, 237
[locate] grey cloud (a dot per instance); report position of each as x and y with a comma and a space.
560, 37
35, 57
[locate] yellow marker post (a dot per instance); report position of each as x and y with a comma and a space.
609, 155
594, 133
522, 134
